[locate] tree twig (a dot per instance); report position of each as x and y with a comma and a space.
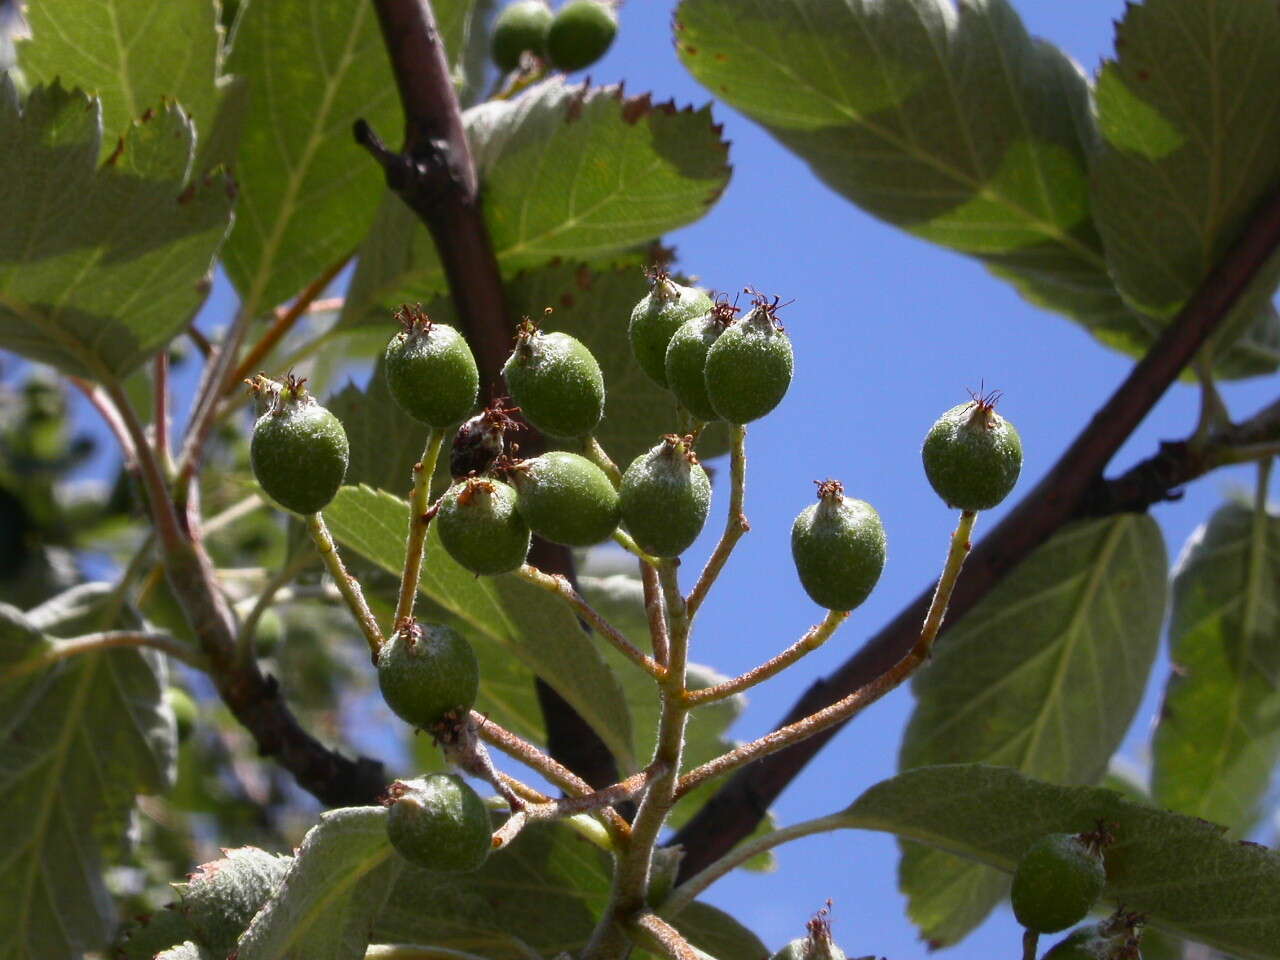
347, 585
107, 640
735, 524
736, 808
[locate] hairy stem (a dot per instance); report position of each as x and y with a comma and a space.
735, 525
347, 585
559, 585
860, 699
812, 640
659, 935
419, 519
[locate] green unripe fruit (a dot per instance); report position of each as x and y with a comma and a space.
430, 370
1057, 882
838, 545
656, 318
580, 34
665, 498
299, 450
687, 361
519, 27
749, 368
440, 823
556, 382
566, 499
972, 455
185, 712
427, 674
481, 528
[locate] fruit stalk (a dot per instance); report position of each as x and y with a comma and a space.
956, 553
419, 519
347, 585
1030, 944
559, 585
631, 875
859, 699
814, 637
735, 524
592, 450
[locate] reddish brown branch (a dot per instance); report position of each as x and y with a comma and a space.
434, 175
1063, 495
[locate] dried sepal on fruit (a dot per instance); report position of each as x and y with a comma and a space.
480, 441
750, 366
839, 548
480, 526
428, 674
817, 944
556, 381
430, 369
665, 497
657, 316
972, 455
299, 450
438, 822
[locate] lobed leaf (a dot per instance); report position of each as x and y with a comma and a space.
1044, 675
339, 880
535, 626
123, 53
100, 266
1183, 873
80, 739
1218, 739
948, 121
567, 171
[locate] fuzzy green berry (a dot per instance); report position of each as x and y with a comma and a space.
427, 673
440, 823
566, 499
1057, 882
749, 368
838, 545
686, 362
580, 33
430, 370
519, 27
556, 382
665, 498
972, 455
481, 528
656, 318
299, 450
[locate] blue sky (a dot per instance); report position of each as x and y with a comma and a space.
888, 331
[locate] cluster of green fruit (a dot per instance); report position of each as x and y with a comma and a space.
573, 38
1057, 882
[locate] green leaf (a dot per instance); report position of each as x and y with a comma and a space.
153, 933
1044, 675
1190, 123
544, 892
129, 55
952, 124
525, 620
1183, 873
222, 896
80, 739
1218, 739
385, 441
99, 265
307, 192
567, 171
339, 880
